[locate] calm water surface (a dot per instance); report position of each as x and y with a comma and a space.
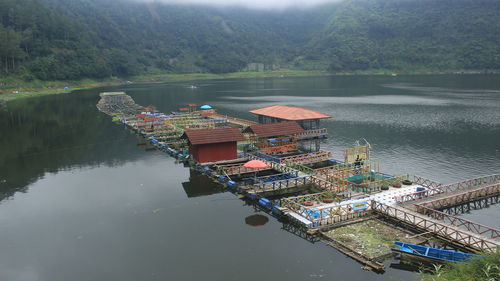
81, 201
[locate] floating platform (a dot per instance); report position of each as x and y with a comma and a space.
336, 193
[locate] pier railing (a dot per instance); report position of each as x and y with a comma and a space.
460, 222
237, 169
278, 148
302, 168
467, 184
270, 163
328, 185
423, 181
307, 158
462, 197
312, 133
262, 156
279, 185
446, 231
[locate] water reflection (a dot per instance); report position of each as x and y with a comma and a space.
92, 196
54, 133
201, 185
256, 220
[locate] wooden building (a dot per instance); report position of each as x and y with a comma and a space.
211, 145
275, 137
308, 119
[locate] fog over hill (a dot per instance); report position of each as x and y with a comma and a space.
73, 39
259, 4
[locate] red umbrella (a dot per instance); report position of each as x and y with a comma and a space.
255, 164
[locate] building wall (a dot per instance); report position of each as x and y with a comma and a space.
306, 124
214, 152
309, 124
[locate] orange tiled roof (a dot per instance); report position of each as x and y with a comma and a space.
288, 112
206, 136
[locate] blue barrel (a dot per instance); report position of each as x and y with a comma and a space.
232, 184
252, 196
419, 189
265, 202
276, 210
221, 179
207, 171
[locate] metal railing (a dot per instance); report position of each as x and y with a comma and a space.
467, 184
460, 222
447, 231
462, 197
312, 133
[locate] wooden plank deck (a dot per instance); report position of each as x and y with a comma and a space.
445, 190
307, 158
445, 200
467, 239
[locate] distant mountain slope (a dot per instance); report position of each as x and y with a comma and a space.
411, 34
73, 39
69, 39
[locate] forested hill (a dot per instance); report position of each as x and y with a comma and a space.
411, 34
73, 39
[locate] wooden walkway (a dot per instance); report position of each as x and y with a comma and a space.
308, 134
446, 190
461, 222
316, 181
236, 169
280, 185
442, 202
307, 158
465, 238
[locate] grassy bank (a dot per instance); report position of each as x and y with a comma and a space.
15, 88
479, 269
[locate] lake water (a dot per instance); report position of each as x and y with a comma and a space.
80, 200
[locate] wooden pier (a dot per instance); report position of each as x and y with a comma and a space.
337, 199
445, 190
307, 158
439, 203
464, 238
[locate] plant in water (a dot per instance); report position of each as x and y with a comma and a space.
484, 268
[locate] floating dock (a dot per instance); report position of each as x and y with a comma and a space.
333, 192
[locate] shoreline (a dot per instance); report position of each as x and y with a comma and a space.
43, 88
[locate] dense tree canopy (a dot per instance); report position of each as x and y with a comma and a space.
73, 39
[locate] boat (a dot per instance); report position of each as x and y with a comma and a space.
431, 254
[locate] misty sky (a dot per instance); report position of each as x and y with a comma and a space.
252, 3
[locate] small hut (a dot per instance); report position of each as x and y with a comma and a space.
211, 145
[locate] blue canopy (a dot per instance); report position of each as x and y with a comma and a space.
206, 106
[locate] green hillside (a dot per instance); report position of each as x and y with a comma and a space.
75, 39
411, 35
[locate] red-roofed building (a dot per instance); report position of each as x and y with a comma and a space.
211, 145
308, 119
287, 128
